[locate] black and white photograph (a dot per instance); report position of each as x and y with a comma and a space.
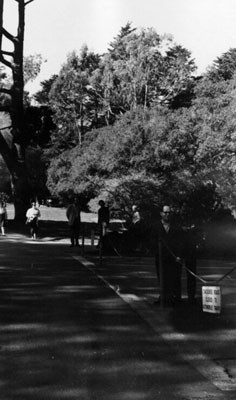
117, 200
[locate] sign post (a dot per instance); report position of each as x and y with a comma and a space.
211, 299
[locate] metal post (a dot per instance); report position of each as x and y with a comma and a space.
162, 292
92, 237
100, 251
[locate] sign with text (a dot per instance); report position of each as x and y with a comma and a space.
211, 299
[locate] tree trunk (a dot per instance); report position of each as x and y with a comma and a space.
13, 150
21, 192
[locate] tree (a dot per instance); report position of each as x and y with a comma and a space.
224, 67
73, 101
144, 68
215, 125
12, 140
42, 96
145, 145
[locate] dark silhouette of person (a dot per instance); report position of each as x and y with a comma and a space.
74, 220
169, 245
103, 221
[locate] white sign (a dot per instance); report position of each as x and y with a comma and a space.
211, 299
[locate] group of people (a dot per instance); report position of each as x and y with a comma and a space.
174, 244
32, 216
73, 214
74, 221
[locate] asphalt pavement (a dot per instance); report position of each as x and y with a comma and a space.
75, 326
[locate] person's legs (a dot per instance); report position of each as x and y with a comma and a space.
31, 231
166, 283
34, 229
76, 233
191, 264
72, 236
177, 292
2, 228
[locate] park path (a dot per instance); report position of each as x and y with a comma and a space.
67, 333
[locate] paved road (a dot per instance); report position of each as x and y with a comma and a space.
71, 329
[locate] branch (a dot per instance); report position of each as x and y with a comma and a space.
5, 62
6, 127
8, 35
29, 1
6, 152
7, 53
5, 109
6, 91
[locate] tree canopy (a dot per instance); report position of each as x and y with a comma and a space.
166, 136
135, 123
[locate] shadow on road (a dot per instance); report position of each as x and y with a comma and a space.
66, 335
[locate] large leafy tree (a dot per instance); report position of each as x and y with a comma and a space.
140, 69
152, 146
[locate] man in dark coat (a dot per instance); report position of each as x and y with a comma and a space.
103, 221
169, 251
73, 216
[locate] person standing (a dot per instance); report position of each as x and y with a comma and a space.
136, 231
74, 220
135, 215
103, 221
169, 251
32, 216
3, 217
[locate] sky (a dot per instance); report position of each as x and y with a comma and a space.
54, 28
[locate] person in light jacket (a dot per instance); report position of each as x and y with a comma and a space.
32, 216
3, 217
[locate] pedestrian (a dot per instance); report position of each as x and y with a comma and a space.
3, 217
135, 215
136, 232
169, 246
74, 220
103, 221
32, 216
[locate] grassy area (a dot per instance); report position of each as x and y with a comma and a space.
54, 214
220, 235
53, 222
